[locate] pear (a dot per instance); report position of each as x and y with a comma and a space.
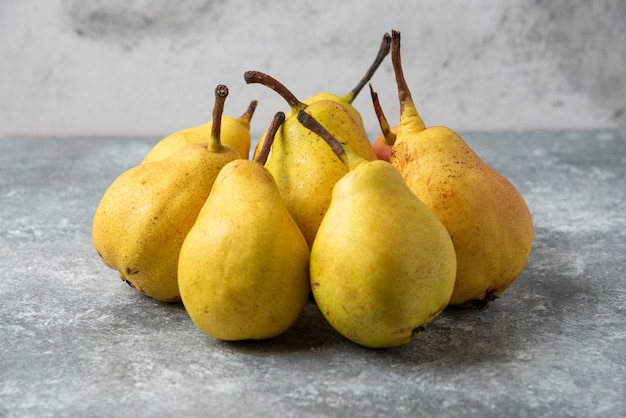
345, 100
145, 214
243, 267
234, 132
382, 264
333, 114
302, 164
486, 216
385, 140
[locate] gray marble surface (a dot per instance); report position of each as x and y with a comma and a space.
76, 341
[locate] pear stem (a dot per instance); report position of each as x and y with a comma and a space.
246, 117
404, 93
314, 126
383, 51
221, 92
390, 137
275, 124
268, 81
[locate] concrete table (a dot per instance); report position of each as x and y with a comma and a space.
76, 341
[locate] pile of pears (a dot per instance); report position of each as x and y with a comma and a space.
382, 235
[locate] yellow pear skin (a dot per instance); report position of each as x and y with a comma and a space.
345, 101
349, 129
382, 264
306, 169
487, 218
235, 132
145, 214
340, 121
243, 268
303, 165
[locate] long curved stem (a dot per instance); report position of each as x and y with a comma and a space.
409, 116
383, 51
258, 77
404, 93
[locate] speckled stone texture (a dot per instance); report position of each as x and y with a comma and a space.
76, 341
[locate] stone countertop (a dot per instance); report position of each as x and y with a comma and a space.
77, 341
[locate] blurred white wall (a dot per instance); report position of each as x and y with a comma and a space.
148, 68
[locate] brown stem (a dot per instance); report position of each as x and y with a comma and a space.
383, 51
246, 117
314, 126
268, 81
389, 136
221, 92
276, 122
403, 89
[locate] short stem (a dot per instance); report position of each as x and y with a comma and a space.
275, 124
389, 136
221, 92
383, 51
268, 81
246, 117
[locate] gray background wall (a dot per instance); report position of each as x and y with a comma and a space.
148, 68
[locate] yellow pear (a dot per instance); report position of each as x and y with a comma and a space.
302, 164
345, 101
486, 216
243, 268
331, 113
382, 264
387, 137
234, 132
145, 214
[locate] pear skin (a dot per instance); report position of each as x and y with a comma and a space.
243, 269
145, 214
235, 132
382, 264
340, 121
486, 216
302, 164
382, 144
342, 100
305, 170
